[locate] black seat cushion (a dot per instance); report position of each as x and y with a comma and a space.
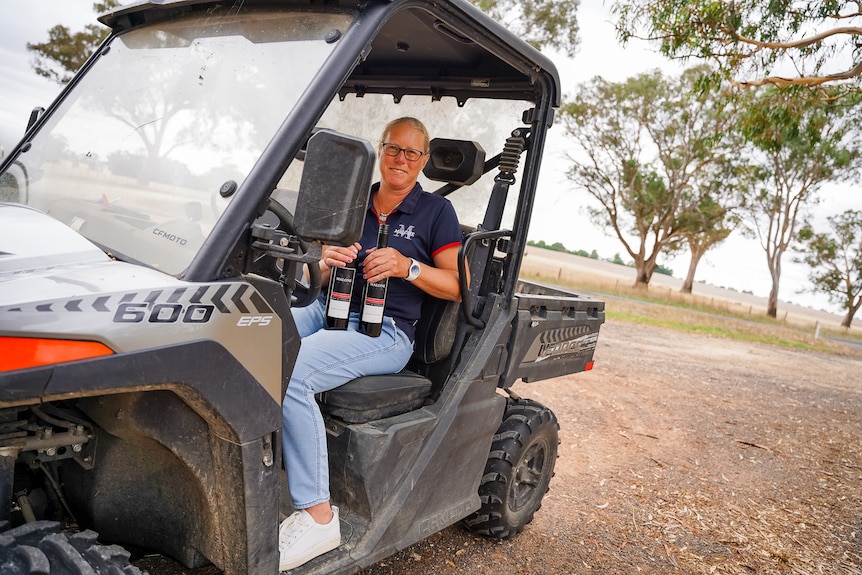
376, 396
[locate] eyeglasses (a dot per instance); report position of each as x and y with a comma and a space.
410, 154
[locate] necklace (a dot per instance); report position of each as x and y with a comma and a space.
381, 216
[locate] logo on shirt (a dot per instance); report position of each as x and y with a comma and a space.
402, 232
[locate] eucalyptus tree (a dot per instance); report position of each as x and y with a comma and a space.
798, 144
713, 221
835, 258
647, 150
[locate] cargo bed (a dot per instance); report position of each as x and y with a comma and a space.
554, 333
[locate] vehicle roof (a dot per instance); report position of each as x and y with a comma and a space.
431, 47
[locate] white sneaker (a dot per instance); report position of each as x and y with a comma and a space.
301, 538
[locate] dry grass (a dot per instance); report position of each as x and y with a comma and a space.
663, 307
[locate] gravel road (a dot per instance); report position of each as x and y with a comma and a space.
686, 454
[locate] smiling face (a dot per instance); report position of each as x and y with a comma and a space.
397, 173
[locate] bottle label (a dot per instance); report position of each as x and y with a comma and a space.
341, 287
375, 293
375, 300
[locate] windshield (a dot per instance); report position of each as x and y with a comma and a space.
135, 157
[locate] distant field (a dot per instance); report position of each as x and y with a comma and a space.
587, 273
710, 310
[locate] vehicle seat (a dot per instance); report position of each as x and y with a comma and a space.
377, 396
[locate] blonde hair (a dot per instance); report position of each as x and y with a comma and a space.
413, 123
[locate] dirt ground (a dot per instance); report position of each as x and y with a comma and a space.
682, 453
686, 454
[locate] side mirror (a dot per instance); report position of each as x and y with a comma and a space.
334, 189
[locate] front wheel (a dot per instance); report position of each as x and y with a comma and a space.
518, 471
43, 548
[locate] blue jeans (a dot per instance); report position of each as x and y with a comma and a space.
328, 359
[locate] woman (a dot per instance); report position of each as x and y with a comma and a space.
421, 259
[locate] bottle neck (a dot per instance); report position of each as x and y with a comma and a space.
383, 235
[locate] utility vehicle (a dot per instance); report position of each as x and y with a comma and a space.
157, 221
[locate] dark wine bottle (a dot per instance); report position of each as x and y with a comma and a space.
338, 296
374, 299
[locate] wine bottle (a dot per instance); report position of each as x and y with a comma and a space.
374, 299
338, 297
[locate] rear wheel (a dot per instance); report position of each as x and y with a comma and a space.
518, 471
43, 548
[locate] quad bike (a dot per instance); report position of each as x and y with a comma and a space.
164, 215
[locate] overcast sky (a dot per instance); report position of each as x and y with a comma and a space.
558, 215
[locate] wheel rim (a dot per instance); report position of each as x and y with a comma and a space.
528, 476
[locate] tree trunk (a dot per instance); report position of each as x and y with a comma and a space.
645, 270
696, 254
772, 302
774, 263
851, 311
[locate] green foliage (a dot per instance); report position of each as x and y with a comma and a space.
835, 258
556, 246
65, 51
811, 42
542, 23
774, 116
617, 260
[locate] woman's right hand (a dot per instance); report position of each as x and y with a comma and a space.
338, 256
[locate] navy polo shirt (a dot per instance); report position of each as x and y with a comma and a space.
422, 226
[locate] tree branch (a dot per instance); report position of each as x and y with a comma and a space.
802, 80
849, 30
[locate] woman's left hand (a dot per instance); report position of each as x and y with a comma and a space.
384, 263
439, 280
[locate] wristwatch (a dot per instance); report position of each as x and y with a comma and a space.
415, 270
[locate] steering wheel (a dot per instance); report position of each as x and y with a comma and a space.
304, 292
